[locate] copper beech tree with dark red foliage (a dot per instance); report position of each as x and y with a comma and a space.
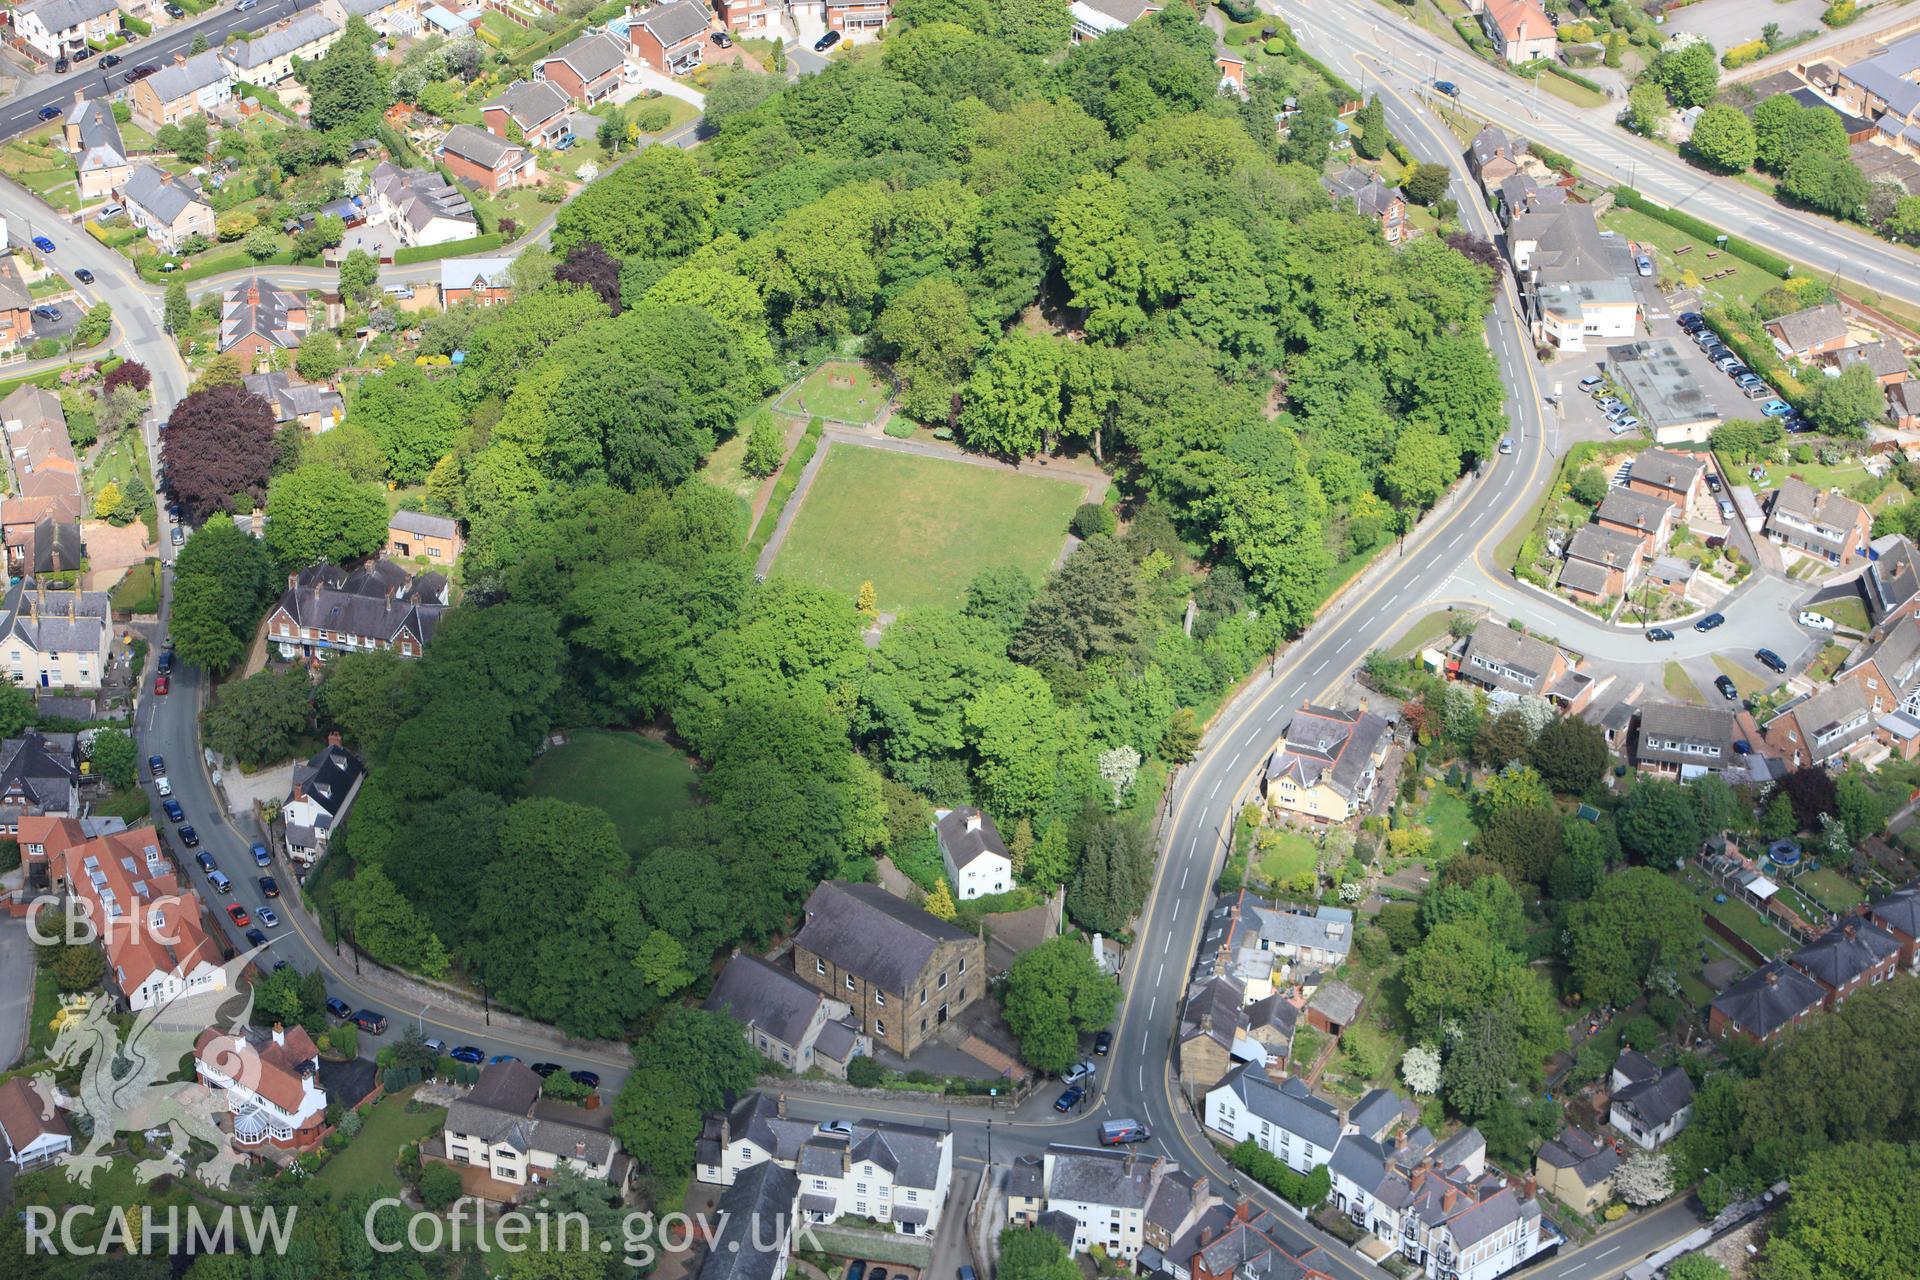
219, 447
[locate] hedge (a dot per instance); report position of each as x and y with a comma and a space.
1758, 356
136, 25
783, 487
1742, 249
238, 260
1574, 76
1305, 1190
457, 249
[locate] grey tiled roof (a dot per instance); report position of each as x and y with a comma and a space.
1212, 1009
590, 57
1803, 329
291, 398
1845, 951
1363, 1162
1375, 1113
59, 15
1899, 910
1669, 470
37, 770
14, 295
530, 103
1606, 547
837, 1040
182, 78
327, 779
754, 1214
159, 193
1086, 1175
477, 145
965, 846
1361, 190
1676, 722
1489, 143
58, 620
1289, 1105
766, 996
1883, 358
1510, 649
255, 307
1640, 511
1336, 1001
1330, 745
867, 931
909, 1153
375, 602
673, 23
1889, 75
100, 143
1291, 928
275, 41
424, 524
1654, 1096
1768, 998
1591, 1162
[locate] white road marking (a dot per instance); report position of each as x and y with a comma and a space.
1160, 973
1316, 671
1216, 789
1169, 943
1184, 874
1151, 1006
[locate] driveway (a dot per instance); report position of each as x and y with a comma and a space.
16, 989
1730, 22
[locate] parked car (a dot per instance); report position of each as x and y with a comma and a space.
1771, 661
173, 810
856, 1270
1627, 422
841, 1128
1726, 687
1726, 510
1610, 402
82, 54
156, 765
175, 11
50, 113
1592, 381
163, 785
1447, 87
1644, 265
205, 862
1711, 621
43, 244
261, 858
1077, 1072
245, 5
826, 42
468, 1054
339, 1010
269, 917
166, 663
437, 1046
1713, 483
1776, 409
499, 1058
1659, 633
1815, 621
587, 1078
269, 887
1103, 1043
179, 536
160, 686
255, 938
1070, 1099
544, 1069
370, 1022
1692, 320
111, 60
238, 914
722, 40
46, 311
189, 837
220, 882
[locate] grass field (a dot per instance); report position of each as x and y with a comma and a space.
1285, 853
1448, 815
1834, 891
639, 782
1747, 280
920, 528
367, 1163
839, 391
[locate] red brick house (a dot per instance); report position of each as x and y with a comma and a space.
1847, 959
671, 38
1233, 69
858, 17
481, 281
256, 318
1679, 478
1638, 515
540, 110
1825, 524
492, 164
748, 17
587, 70
1600, 563
1804, 334
1765, 1004
1884, 358
1899, 914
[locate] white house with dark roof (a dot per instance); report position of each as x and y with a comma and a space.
422, 207
1095, 18
1320, 939
1327, 762
1572, 278
1107, 1193
38, 775
973, 853
1648, 1104
1283, 1118
323, 790
268, 57
167, 207
55, 639
786, 1020
57, 29
326, 609
506, 1128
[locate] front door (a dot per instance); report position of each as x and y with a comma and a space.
943, 1013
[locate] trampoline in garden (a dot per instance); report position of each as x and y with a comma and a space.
1785, 854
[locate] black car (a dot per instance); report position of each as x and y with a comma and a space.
111, 60
1771, 661
60, 66
339, 1009
256, 938
49, 113
722, 40
544, 1069
166, 661
175, 11
1659, 633
1103, 1043
83, 275
586, 1078
826, 42
370, 1022
141, 72
1713, 483
82, 54
1691, 320
269, 887
1711, 621
189, 837
1726, 687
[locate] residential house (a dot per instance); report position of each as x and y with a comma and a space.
93, 140
55, 29
476, 156
1825, 524
755, 1235
323, 790
422, 207
1215, 1034
1648, 520
1320, 940
1095, 18
903, 972
1107, 1193
1363, 192
1850, 957
1510, 663
1885, 87
1327, 762
1377, 1114
1891, 580
485, 282
34, 1132
1333, 1007
40, 460
149, 922
16, 306
1601, 563
671, 38
1887, 667
1470, 1228
256, 318
1678, 478
1820, 726
1682, 741
1239, 1242
317, 408
1884, 359
586, 70
973, 853
386, 17
895, 1174
786, 1020
1271, 1021
268, 1083
326, 609
193, 85
1519, 193
1283, 1118
1572, 277
418, 535
1233, 69
1494, 156
1576, 1170
1648, 1104
1899, 914
1766, 1003
55, 639
43, 547
1520, 30
268, 58
539, 109
168, 208
1903, 405
38, 775
505, 1127
857, 19
1801, 335
749, 17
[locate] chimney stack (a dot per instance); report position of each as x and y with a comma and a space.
1448, 1199
1206, 1234
333, 738
973, 820
279, 1034
1529, 1188
580, 1150
179, 59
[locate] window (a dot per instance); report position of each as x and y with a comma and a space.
860, 1188
923, 995
963, 964
943, 982
849, 982
880, 999
819, 966
879, 1026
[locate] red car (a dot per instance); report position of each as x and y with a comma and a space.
238, 914
160, 686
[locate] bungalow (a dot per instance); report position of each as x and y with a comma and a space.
256, 318
422, 207
1801, 335
55, 29
1848, 958
1512, 663
1284, 1119
16, 306
315, 407
93, 140
1648, 1104
786, 1020
1822, 523
1683, 741
1885, 359
1820, 726
973, 853
193, 85
327, 609
504, 1127
1095, 18
671, 38
268, 57
268, 1081
1764, 1004
1678, 478
419, 535
587, 70
168, 208
1327, 762
33, 1131
1601, 563
1494, 156
1647, 520
482, 281
1520, 30
1576, 1170
540, 110
322, 792
1362, 191
476, 156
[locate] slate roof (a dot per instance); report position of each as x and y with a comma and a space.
1275, 1012
909, 1153
292, 398
590, 57
837, 1040
1637, 510
1607, 547
755, 1213
1591, 1162
530, 103
766, 996
1491, 143
1883, 358
1363, 1161
1494, 1213
1087, 1175
1510, 649
37, 771
1289, 1105
328, 777
254, 308
174, 82
479, 146
421, 195
1823, 714
1768, 998
376, 601
1362, 190
755, 1118
967, 846
424, 524
1844, 952
1330, 745
1899, 911
1889, 75
1675, 471
1375, 1113
673, 23
1895, 650
161, 194
100, 144
277, 40
1567, 245
59, 15
1654, 1096
1336, 1001
1290, 928
1801, 330
14, 295
1677, 722
867, 931
57, 620
1212, 1009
